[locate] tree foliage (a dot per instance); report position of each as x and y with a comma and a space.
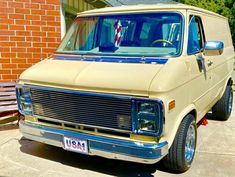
223, 7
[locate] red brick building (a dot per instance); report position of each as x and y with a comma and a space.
29, 30
32, 29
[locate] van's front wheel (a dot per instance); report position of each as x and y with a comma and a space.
182, 150
223, 108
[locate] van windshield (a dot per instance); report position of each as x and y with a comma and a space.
158, 34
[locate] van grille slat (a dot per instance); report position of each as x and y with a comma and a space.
83, 109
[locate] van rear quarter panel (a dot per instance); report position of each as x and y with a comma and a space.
217, 29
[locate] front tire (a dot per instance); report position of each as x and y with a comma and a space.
223, 108
182, 151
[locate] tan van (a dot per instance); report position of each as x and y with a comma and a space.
131, 83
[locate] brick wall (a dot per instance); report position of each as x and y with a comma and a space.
29, 30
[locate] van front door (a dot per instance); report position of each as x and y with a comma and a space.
200, 74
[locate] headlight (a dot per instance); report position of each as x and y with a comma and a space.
24, 100
148, 117
146, 114
147, 125
148, 108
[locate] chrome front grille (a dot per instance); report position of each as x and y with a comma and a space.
83, 109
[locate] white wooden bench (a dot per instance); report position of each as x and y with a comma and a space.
8, 104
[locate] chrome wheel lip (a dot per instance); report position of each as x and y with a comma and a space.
230, 102
190, 143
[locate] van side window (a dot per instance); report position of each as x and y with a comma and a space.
195, 37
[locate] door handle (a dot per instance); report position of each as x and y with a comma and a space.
201, 63
209, 63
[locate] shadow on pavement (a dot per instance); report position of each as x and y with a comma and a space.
94, 163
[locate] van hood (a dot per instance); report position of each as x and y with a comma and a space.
105, 77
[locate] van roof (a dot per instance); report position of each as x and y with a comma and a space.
145, 7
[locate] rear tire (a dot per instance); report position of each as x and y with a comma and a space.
223, 108
182, 151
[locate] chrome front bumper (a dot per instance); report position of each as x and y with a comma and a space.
98, 145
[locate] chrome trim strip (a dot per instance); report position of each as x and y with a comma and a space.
85, 125
79, 92
140, 152
113, 59
114, 156
127, 97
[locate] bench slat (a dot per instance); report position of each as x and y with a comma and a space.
3, 103
7, 98
7, 89
8, 104
7, 93
7, 84
8, 108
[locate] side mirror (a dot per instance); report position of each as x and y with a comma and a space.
213, 48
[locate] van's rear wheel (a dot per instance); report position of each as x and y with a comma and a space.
181, 153
223, 108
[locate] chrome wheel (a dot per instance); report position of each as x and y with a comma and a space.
181, 152
190, 143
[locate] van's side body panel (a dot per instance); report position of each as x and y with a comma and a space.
217, 29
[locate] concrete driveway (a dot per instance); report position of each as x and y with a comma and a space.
19, 157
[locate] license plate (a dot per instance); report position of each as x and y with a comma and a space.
75, 145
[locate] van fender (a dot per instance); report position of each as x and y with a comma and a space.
170, 136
